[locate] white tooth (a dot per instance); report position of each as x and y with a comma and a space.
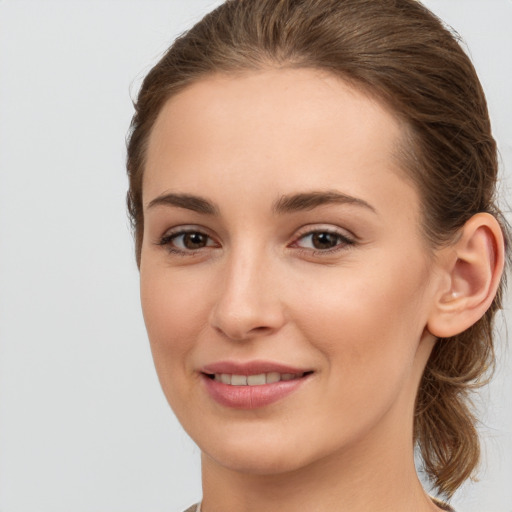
239, 380
273, 377
225, 378
217, 377
287, 376
256, 380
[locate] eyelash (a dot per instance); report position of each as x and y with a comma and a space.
344, 242
167, 239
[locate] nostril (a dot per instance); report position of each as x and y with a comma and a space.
242, 319
261, 329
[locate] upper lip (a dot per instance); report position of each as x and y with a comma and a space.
250, 368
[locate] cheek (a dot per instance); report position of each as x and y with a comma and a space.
174, 309
368, 333
366, 321
175, 313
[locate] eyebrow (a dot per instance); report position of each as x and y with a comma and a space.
187, 201
285, 204
311, 200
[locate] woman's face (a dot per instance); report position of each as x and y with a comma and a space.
285, 283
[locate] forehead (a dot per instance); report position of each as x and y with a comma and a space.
286, 127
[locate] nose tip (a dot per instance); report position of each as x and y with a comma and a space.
247, 307
241, 328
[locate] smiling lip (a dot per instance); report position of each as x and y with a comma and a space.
251, 385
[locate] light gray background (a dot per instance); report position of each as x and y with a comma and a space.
83, 423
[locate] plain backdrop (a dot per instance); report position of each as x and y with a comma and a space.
84, 426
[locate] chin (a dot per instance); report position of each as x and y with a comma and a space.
256, 450
257, 460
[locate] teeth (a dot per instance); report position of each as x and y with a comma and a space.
255, 380
273, 377
225, 378
239, 380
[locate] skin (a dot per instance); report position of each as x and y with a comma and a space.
258, 288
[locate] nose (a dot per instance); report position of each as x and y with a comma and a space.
249, 301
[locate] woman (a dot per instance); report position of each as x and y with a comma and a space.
312, 193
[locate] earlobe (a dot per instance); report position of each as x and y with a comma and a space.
471, 270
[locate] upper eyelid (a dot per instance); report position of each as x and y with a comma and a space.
186, 228
167, 242
344, 241
171, 233
336, 230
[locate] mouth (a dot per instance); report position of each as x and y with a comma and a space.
252, 385
259, 379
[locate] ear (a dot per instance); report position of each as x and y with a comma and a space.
470, 273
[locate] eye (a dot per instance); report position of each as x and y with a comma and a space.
323, 240
187, 241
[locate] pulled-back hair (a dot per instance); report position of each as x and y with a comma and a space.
400, 53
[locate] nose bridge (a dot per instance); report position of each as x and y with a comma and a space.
248, 301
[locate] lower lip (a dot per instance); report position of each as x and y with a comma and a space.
251, 397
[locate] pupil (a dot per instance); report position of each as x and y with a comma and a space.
324, 240
194, 240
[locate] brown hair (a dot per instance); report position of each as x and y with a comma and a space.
399, 52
